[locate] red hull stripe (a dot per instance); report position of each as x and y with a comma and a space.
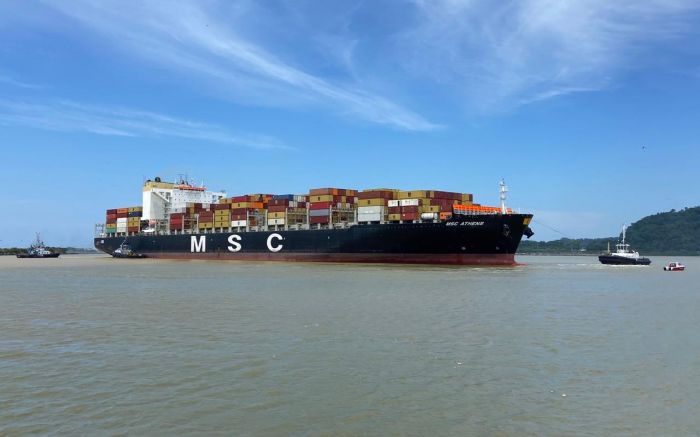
454, 259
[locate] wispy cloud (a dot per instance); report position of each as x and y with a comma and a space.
505, 54
67, 116
5, 79
194, 38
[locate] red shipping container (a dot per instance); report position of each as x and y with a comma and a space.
394, 210
111, 211
277, 208
320, 205
220, 206
238, 217
319, 219
409, 209
409, 216
375, 194
278, 202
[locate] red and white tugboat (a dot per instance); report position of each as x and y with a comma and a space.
674, 267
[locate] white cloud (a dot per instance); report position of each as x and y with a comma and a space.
17, 83
505, 54
187, 37
67, 116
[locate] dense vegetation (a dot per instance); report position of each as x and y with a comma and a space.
665, 233
16, 250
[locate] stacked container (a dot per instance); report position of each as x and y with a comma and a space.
248, 209
328, 205
222, 215
111, 221
425, 205
205, 220
373, 205
286, 209
134, 215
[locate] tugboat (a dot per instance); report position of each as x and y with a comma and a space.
623, 254
125, 251
674, 267
38, 250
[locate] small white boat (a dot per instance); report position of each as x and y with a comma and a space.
674, 267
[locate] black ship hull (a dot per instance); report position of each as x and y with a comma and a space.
468, 239
623, 261
25, 255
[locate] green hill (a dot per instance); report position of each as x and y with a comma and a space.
665, 233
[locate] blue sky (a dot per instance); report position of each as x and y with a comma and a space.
590, 110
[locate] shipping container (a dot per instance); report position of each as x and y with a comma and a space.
409, 202
372, 202
414, 194
370, 217
376, 194
394, 217
371, 210
319, 212
319, 220
319, 205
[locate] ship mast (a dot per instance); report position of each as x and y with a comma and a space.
504, 191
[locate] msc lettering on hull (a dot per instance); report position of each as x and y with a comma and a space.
199, 243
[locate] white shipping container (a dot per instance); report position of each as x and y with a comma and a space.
393, 203
238, 223
429, 216
370, 217
275, 221
371, 210
409, 202
122, 220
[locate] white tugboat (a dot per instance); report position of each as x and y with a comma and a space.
38, 250
623, 254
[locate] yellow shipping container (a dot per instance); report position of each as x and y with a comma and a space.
466, 197
135, 208
415, 194
323, 198
393, 217
429, 208
222, 212
275, 215
258, 205
372, 202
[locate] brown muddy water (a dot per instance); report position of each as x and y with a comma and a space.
90, 345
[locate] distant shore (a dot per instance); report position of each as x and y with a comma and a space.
62, 250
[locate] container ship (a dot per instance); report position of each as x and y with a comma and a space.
179, 220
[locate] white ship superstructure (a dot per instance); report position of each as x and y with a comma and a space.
163, 198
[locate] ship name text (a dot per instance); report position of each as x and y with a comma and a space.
198, 243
